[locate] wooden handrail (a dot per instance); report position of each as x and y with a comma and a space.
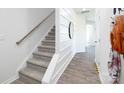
24, 37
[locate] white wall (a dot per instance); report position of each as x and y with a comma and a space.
79, 39
103, 24
79, 21
14, 24
80, 33
104, 28
97, 45
65, 16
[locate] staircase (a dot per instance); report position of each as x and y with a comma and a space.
37, 65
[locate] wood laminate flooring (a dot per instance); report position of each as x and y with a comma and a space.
81, 70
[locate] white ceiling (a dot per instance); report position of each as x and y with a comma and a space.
79, 10
90, 16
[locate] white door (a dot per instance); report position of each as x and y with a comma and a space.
90, 47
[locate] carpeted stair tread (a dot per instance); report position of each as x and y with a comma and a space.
51, 41
50, 36
52, 32
38, 62
33, 73
18, 81
46, 46
43, 54
53, 29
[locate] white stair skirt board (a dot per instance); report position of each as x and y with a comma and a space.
57, 66
62, 69
29, 70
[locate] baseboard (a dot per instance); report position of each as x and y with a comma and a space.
10, 80
104, 76
62, 69
100, 73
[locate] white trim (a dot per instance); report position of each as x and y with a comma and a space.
62, 69
100, 73
50, 75
65, 54
104, 76
57, 34
50, 70
60, 60
65, 45
10, 80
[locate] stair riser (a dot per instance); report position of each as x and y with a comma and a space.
36, 67
46, 50
50, 38
51, 34
42, 57
28, 80
53, 29
48, 43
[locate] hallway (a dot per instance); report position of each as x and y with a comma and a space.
81, 70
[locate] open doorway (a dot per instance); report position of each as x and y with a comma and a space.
90, 33
90, 39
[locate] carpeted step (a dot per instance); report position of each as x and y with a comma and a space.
50, 37
46, 48
43, 55
38, 63
30, 75
53, 30
48, 42
54, 26
52, 33
18, 81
